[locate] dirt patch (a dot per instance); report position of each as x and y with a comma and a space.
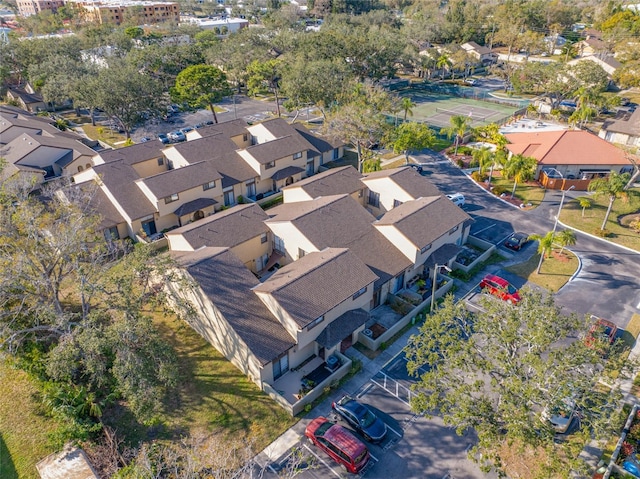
562, 257
377, 330
627, 219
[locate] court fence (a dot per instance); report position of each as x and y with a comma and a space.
468, 92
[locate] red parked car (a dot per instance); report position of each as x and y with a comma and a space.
602, 334
501, 288
342, 446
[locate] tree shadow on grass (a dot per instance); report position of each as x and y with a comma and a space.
7, 468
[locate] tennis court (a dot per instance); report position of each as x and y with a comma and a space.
436, 109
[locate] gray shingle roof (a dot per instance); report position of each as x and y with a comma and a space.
193, 206
338, 329
628, 124
227, 129
340, 222
220, 152
286, 172
316, 283
424, 220
321, 144
279, 148
409, 180
182, 179
119, 178
335, 181
227, 228
135, 153
228, 283
69, 149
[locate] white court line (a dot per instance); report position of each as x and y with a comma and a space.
322, 461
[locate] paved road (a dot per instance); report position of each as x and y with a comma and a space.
608, 284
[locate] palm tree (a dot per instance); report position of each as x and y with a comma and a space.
566, 238
406, 104
544, 245
443, 63
531, 110
584, 203
614, 186
484, 157
520, 168
459, 125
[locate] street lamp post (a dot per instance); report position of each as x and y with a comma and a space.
564, 192
435, 279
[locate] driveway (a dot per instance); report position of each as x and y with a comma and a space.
608, 283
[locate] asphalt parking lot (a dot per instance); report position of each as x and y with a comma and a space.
415, 446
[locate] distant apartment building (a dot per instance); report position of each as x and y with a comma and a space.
26, 8
116, 11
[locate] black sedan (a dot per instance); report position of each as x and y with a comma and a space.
360, 417
516, 241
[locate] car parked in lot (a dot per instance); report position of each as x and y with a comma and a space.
561, 415
164, 139
457, 198
361, 418
471, 81
516, 241
177, 135
342, 446
500, 288
601, 335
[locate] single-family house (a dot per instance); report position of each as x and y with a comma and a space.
573, 154
592, 44
390, 188
482, 53
624, 130
27, 97
240, 228
334, 181
607, 62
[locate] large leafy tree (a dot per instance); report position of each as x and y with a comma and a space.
265, 76
496, 372
411, 136
360, 119
73, 312
613, 186
201, 86
124, 94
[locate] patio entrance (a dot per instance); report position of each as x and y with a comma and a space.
346, 343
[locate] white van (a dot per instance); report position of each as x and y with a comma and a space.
457, 198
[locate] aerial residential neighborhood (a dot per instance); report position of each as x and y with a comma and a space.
319, 239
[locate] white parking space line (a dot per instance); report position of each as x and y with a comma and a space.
322, 461
484, 229
394, 431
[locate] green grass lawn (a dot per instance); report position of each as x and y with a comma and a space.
213, 398
555, 272
24, 429
103, 133
525, 192
572, 215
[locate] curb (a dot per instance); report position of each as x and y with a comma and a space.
577, 272
626, 248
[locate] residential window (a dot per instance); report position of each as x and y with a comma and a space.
111, 233
251, 188
263, 238
374, 199
314, 323
160, 161
229, 197
301, 253
454, 229
336, 153
297, 155
278, 244
425, 248
208, 186
245, 137
269, 165
360, 293
171, 199
396, 203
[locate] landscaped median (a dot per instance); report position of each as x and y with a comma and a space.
555, 271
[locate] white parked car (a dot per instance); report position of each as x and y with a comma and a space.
457, 198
